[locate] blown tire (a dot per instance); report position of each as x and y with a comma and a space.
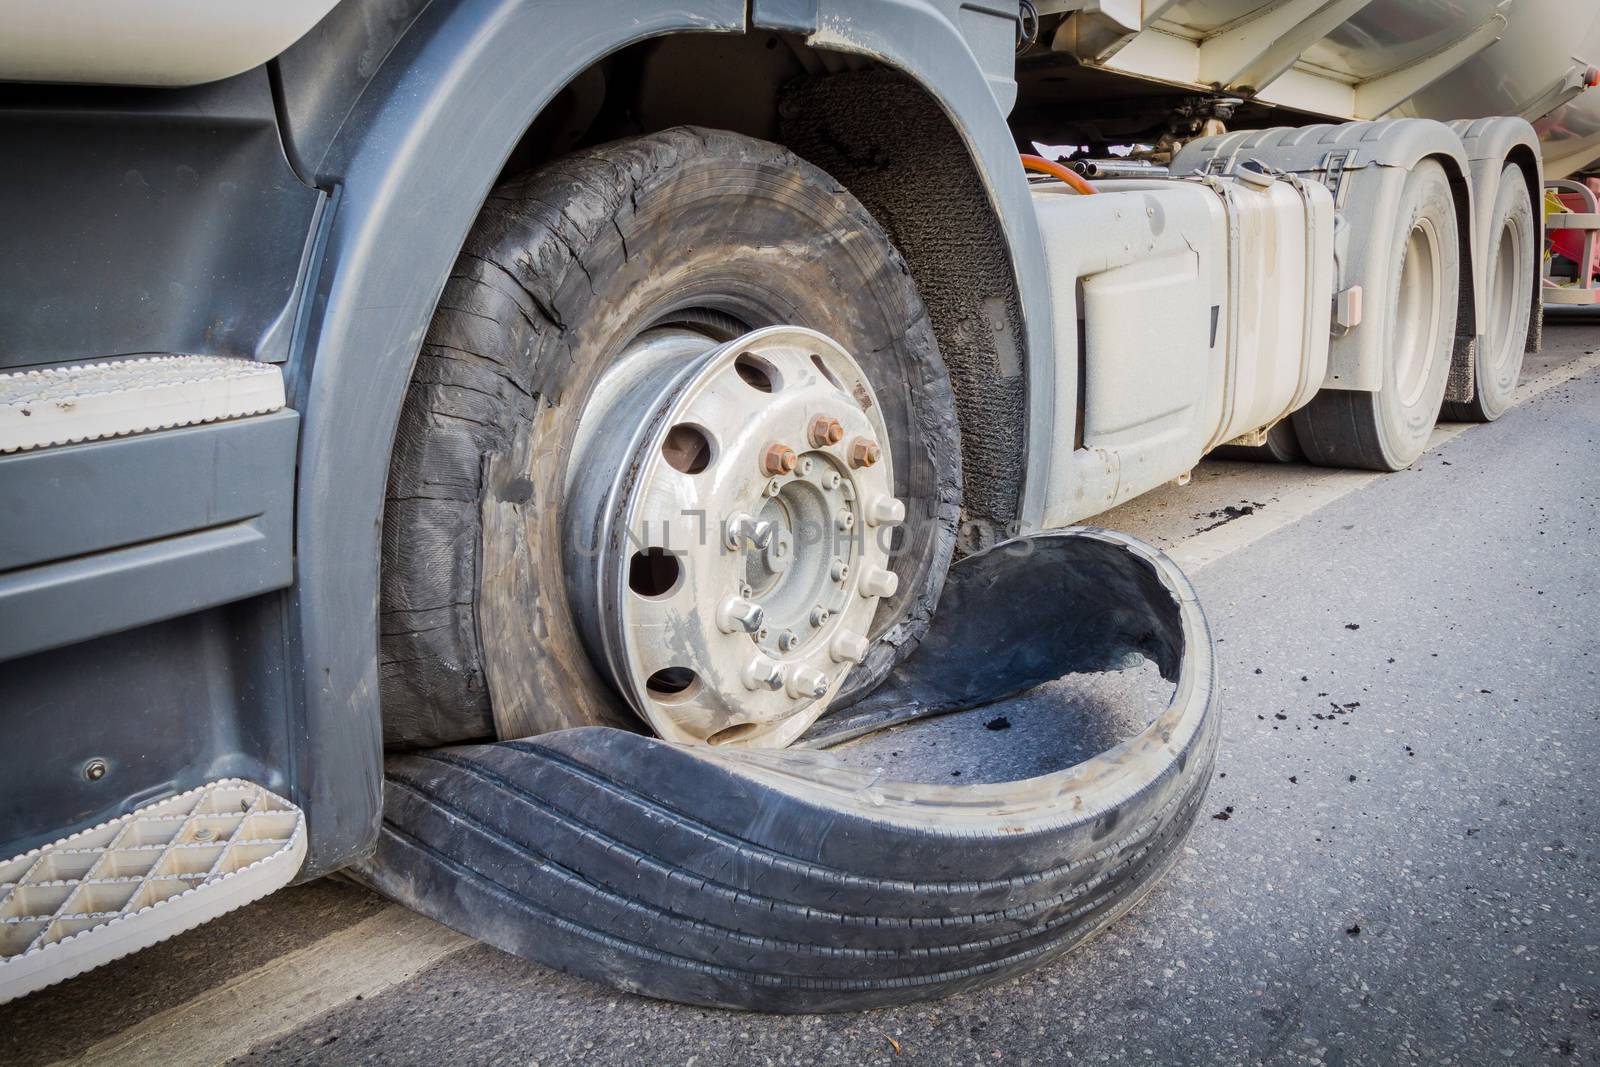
687, 229
785, 881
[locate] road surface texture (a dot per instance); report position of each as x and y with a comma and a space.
1398, 860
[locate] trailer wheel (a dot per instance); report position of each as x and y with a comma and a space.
1498, 358
1388, 429
602, 290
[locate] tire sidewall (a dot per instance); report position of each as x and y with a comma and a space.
1403, 428
1496, 373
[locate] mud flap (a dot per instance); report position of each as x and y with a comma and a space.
793, 881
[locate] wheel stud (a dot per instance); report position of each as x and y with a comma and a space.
864, 453
778, 459
736, 613
807, 682
825, 430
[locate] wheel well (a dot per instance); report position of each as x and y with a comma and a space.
886, 140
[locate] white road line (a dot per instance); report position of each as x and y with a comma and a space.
225, 1021
1320, 488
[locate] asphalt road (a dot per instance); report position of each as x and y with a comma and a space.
1407, 871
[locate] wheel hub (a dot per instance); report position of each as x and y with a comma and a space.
729, 516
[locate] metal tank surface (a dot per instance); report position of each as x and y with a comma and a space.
1363, 59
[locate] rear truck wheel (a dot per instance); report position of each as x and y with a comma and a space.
1388, 429
1497, 357
1281, 446
679, 441
791, 881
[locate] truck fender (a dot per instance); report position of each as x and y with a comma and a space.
1364, 165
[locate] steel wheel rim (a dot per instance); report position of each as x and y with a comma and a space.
1504, 339
1417, 312
758, 584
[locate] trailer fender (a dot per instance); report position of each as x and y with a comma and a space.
1364, 165
789, 880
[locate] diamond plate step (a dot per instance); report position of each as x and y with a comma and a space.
89, 401
126, 884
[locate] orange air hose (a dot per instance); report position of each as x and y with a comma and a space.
1073, 179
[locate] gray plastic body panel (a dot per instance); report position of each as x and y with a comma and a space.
105, 536
148, 220
1365, 165
161, 706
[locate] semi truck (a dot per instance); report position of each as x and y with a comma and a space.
495, 447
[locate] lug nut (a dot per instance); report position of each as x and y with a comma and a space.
879, 583
848, 647
736, 613
787, 640
763, 673
825, 430
885, 511
864, 453
778, 459
807, 683
819, 615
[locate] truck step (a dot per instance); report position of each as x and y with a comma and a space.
89, 401
128, 883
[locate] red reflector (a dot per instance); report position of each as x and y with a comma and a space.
1592, 78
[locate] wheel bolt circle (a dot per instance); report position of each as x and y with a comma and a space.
779, 458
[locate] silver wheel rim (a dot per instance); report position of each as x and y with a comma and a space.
729, 511
1417, 312
1505, 340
